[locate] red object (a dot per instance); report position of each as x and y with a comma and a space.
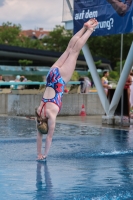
66, 90
83, 113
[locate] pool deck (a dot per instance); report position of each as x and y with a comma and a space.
85, 120
94, 121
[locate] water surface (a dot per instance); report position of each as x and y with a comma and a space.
84, 163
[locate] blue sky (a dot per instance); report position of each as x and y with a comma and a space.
32, 14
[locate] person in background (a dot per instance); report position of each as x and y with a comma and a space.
17, 79
127, 87
21, 87
85, 84
131, 93
60, 73
120, 7
105, 82
1, 78
92, 83
81, 79
23, 79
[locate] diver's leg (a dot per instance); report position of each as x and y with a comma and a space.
68, 67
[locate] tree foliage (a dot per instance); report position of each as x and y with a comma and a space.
75, 76
58, 39
110, 47
34, 78
115, 74
25, 62
9, 33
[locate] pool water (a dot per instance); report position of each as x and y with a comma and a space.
84, 163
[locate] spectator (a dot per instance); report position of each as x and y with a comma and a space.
17, 80
23, 79
92, 83
131, 93
81, 79
1, 78
104, 81
85, 84
21, 87
127, 86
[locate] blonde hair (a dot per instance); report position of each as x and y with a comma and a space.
42, 124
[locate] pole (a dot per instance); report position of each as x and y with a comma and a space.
70, 7
121, 55
97, 81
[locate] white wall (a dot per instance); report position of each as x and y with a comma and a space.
24, 104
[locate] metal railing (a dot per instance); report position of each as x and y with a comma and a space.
34, 83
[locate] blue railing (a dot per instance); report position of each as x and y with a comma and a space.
35, 83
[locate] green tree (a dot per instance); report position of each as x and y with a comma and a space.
29, 43
75, 76
58, 39
34, 78
25, 62
9, 33
110, 46
117, 67
115, 74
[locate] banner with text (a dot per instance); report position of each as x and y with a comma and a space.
114, 16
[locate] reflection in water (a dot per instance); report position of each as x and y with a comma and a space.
43, 182
131, 129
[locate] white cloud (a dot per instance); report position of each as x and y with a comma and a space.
32, 14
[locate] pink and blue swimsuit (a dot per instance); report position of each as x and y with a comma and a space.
55, 81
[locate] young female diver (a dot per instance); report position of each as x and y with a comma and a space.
59, 74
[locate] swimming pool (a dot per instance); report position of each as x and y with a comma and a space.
84, 163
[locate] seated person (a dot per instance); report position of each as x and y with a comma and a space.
3, 80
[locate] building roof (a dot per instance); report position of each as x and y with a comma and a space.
38, 34
10, 55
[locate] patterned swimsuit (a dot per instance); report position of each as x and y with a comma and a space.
105, 82
55, 81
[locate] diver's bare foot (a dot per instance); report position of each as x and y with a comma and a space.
91, 24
